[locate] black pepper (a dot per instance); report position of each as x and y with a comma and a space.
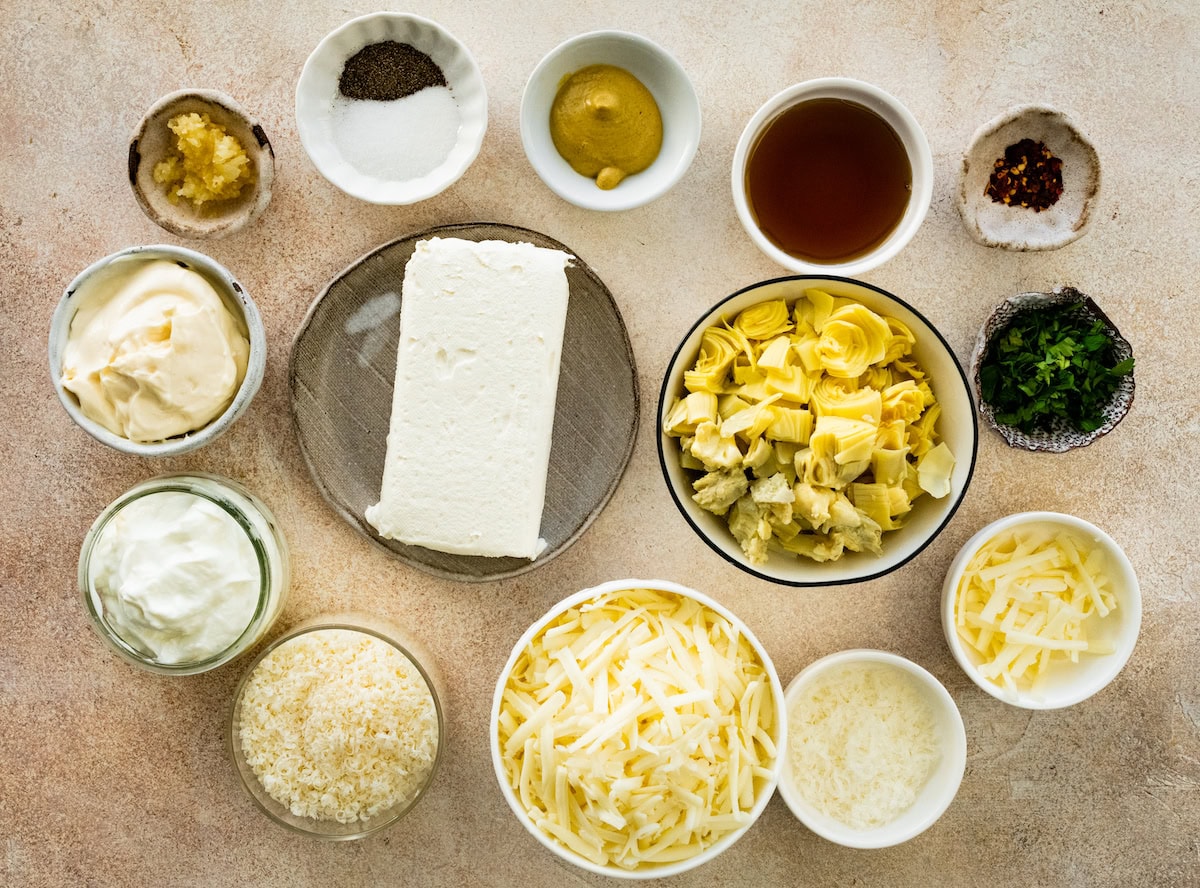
384, 72
1028, 175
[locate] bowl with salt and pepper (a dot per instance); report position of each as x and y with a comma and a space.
391, 108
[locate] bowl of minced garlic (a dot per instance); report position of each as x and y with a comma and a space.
200, 165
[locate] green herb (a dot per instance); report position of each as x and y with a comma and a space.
1048, 363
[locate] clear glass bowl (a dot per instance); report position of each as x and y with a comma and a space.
266, 541
332, 830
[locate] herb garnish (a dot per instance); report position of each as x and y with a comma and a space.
1048, 363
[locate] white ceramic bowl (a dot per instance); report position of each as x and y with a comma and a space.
900, 120
658, 71
939, 790
959, 428
656, 870
1066, 683
318, 87
235, 297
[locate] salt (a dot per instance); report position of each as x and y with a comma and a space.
397, 140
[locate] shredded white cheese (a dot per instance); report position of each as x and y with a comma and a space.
638, 728
338, 725
1024, 601
863, 743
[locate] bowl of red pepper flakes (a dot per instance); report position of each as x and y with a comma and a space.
1030, 180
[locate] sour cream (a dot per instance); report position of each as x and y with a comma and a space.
177, 577
153, 351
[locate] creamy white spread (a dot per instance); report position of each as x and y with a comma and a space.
481, 332
176, 576
153, 351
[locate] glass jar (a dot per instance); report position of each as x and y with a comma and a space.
140, 598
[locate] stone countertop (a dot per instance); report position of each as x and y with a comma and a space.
112, 777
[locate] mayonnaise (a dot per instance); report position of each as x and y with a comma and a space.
153, 351
176, 575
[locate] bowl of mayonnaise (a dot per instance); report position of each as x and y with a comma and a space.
156, 350
182, 573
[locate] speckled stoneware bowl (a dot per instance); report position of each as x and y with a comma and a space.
1021, 228
151, 142
235, 297
1061, 437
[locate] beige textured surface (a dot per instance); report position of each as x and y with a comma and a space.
112, 777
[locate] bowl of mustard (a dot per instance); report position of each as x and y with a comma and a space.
610, 120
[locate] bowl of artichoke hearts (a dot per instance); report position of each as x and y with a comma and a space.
816, 430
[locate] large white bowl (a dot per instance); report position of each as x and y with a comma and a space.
658, 71
657, 870
959, 428
318, 87
236, 299
895, 114
939, 790
1066, 683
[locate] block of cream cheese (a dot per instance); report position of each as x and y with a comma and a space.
481, 332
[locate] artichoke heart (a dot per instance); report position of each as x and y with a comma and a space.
764, 320
715, 450
903, 401
840, 397
852, 339
718, 349
902, 341
934, 469
717, 491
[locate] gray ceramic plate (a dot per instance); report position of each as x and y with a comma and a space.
343, 365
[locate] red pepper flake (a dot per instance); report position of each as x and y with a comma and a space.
1028, 175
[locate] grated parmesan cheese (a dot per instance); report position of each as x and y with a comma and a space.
338, 725
638, 728
863, 743
1024, 600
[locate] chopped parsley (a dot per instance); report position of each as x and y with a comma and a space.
1050, 363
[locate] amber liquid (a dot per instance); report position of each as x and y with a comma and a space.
828, 180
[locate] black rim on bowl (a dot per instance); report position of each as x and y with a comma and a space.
665, 393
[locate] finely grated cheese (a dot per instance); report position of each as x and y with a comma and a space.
1024, 601
338, 725
637, 728
863, 744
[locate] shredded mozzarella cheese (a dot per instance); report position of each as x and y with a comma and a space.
637, 728
338, 725
863, 744
1024, 600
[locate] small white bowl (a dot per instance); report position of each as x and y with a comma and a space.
318, 87
939, 790
658, 71
651, 871
235, 297
1020, 228
1066, 683
959, 428
894, 114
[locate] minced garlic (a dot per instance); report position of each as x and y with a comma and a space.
207, 163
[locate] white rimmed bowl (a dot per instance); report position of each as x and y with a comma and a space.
654, 871
894, 114
958, 426
658, 71
1066, 683
318, 87
939, 790
236, 299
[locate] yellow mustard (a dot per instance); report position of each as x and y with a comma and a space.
606, 124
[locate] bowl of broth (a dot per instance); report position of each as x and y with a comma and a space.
832, 176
